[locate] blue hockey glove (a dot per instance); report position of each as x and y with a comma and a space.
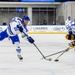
20, 28
30, 39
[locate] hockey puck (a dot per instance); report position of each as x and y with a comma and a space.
56, 60
49, 59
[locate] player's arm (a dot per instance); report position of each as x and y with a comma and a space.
29, 38
23, 31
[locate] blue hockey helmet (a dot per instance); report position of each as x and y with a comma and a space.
26, 18
69, 16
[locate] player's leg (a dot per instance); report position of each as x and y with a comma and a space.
18, 49
3, 35
16, 41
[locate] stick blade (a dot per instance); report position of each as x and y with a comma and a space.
48, 59
56, 60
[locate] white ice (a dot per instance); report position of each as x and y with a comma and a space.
32, 63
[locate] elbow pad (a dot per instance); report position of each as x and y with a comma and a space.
20, 28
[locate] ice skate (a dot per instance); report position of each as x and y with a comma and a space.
20, 57
72, 44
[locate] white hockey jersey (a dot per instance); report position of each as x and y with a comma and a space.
68, 24
12, 27
73, 28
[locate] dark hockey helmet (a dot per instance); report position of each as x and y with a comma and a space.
26, 18
69, 16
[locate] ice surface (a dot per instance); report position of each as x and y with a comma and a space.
32, 63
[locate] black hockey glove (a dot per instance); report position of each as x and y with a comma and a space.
20, 28
30, 39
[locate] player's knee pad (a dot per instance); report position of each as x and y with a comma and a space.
70, 37
18, 49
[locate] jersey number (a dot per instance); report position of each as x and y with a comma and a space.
15, 28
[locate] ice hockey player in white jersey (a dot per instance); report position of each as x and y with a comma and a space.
16, 26
71, 34
68, 22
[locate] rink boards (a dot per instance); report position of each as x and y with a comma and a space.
43, 29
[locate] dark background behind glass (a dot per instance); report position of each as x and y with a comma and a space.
35, 0
10, 0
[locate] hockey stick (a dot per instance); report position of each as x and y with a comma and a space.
55, 53
41, 52
63, 53
37, 48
